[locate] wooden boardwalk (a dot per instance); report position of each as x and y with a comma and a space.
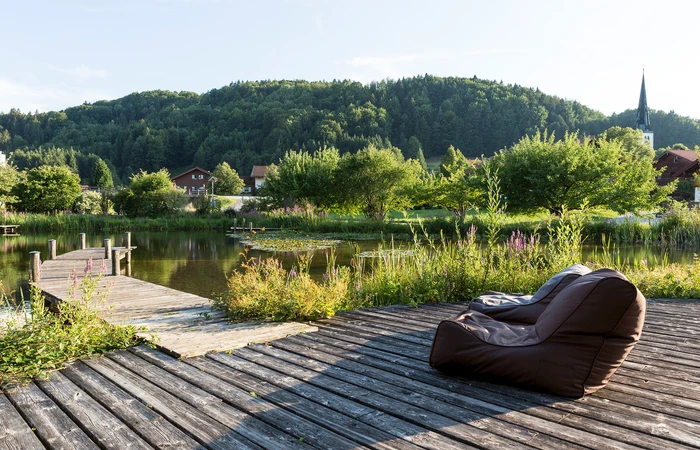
361, 381
183, 324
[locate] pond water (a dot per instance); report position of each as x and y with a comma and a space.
200, 262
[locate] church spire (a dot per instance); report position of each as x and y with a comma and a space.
643, 122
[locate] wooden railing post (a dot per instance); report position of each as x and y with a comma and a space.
83, 245
234, 224
251, 227
34, 266
116, 263
127, 240
52, 249
108, 247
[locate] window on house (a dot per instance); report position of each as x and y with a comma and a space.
193, 177
201, 177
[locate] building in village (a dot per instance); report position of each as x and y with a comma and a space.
194, 181
3, 159
258, 175
643, 122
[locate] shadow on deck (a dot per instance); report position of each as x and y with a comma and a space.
361, 381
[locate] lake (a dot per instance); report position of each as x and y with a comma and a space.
200, 262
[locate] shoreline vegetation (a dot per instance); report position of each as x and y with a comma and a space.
40, 339
439, 270
678, 226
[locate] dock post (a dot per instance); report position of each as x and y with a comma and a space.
116, 266
234, 224
127, 240
251, 226
83, 245
34, 266
108, 248
52, 249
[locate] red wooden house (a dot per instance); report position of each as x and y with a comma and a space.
194, 181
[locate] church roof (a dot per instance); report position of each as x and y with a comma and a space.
643, 122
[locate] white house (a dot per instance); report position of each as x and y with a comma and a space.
3, 159
258, 175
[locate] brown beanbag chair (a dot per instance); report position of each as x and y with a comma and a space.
574, 348
526, 309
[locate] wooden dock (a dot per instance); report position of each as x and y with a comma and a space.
361, 381
183, 324
8, 230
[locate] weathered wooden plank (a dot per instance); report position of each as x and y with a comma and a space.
643, 421
465, 432
53, 427
184, 322
363, 423
554, 434
240, 417
15, 434
150, 425
203, 428
445, 389
269, 403
101, 426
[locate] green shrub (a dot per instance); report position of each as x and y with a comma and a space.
88, 202
37, 341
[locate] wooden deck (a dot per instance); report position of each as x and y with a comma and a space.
361, 381
182, 323
8, 230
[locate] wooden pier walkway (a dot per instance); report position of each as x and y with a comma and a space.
8, 230
361, 381
183, 324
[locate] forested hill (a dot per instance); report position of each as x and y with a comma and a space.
250, 123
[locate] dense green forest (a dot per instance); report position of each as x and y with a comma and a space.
249, 123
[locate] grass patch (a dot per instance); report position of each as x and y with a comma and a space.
35, 342
94, 222
287, 242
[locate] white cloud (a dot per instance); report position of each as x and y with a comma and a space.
81, 71
43, 97
392, 66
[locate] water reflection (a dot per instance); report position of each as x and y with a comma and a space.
199, 262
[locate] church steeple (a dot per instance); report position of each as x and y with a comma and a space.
643, 122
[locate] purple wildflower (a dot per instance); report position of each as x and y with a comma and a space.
88, 266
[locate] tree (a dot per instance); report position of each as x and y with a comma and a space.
227, 180
458, 186
376, 181
632, 140
9, 177
151, 195
452, 158
302, 177
540, 172
47, 189
101, 175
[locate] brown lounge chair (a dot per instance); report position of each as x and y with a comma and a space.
526, 309
572, 350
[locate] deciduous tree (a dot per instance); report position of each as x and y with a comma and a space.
227, 180
541, 172
376, 181
46, 189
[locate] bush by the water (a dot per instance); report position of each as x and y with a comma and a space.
36, 341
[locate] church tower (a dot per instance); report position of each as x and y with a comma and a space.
643, 122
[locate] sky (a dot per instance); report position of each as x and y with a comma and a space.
57, 54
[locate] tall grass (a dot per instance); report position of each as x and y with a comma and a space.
38, 340
93, 222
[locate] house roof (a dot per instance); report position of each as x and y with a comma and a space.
677, 163
191, 170
690, 155
248, 181
258, 171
